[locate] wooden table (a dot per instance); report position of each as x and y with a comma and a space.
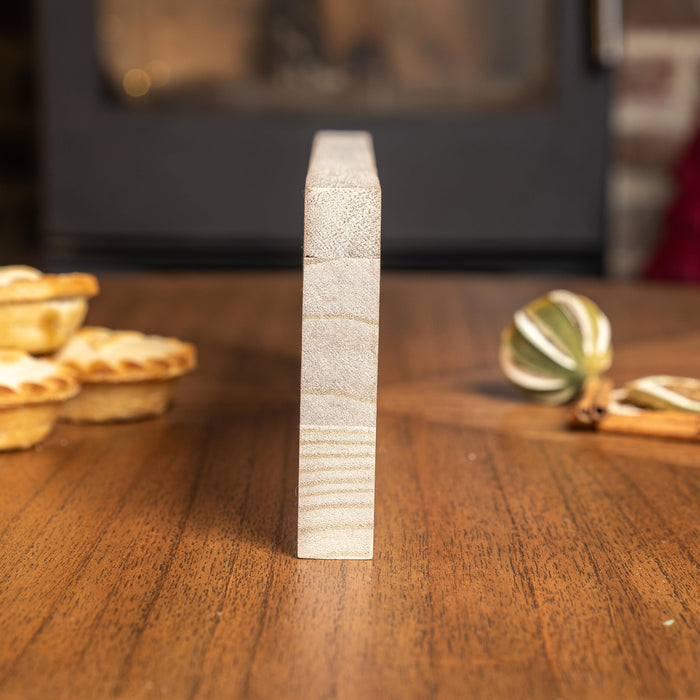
513, 558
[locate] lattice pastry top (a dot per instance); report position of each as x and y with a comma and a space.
104, 355
21, 283
25, 379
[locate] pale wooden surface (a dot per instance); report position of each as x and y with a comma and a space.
513, 558
342, 208
340, 326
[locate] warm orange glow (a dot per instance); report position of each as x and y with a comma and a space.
382, 55
159, 71
110, 27
136, 82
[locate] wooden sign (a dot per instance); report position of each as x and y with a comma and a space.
340, 332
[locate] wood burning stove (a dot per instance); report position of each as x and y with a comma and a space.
177, 133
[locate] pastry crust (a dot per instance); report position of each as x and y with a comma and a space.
103, 355
40, 327
126, 375
20, 283
38, 313
107, 403
24, 426
31, 393
29, 380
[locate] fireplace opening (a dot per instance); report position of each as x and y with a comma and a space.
309, 56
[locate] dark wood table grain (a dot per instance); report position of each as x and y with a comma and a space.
513, 558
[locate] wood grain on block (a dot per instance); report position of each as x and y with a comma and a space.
340, 333
342, 206
336, 492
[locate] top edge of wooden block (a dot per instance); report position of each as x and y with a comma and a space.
342, 160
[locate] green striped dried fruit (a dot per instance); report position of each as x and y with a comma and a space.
663, 392
554, 344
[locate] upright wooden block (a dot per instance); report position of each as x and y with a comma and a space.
340, 333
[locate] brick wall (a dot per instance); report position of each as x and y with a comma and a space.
655, 111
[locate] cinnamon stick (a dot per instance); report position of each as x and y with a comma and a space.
593, 404
602, 399
618, 418
601, 408
669, 424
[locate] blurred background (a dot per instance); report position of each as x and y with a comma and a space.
545, 136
